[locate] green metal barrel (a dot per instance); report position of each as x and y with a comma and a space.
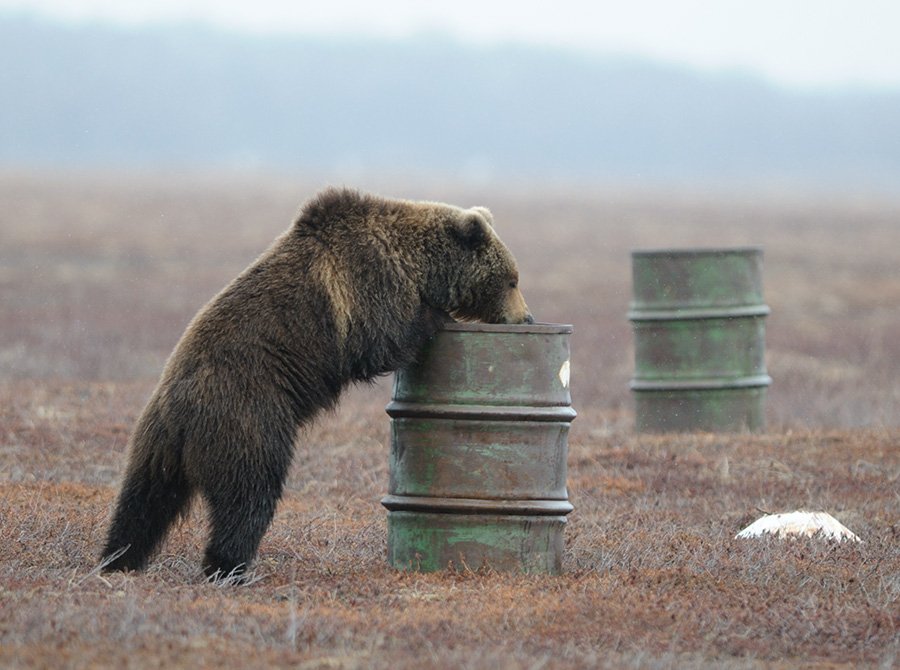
479, 440
699, 340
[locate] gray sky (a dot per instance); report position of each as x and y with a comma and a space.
810, 43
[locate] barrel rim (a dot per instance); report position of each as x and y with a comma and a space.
691, 311
408, 409
524, 506
697, 251
514, 328
657, 384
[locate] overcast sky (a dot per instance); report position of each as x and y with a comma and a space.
811, 43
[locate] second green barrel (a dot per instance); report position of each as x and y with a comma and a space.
698, 318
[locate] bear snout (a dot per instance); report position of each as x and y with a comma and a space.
514, 318
517, 309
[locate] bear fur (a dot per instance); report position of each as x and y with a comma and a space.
352, 290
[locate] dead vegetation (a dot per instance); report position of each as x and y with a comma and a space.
99, 276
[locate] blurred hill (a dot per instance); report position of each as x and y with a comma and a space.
98, 96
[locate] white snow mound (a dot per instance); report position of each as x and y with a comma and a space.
808, 524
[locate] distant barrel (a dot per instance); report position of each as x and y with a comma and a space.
699, 340
479, 440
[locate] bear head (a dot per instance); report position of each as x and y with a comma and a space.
473, 276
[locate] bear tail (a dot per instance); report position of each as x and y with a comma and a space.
154, 493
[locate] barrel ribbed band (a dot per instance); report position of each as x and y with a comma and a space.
397, 503
415, 410
700, 384
689, 313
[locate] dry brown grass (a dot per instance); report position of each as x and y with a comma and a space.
99, 276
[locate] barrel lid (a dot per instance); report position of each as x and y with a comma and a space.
541, 328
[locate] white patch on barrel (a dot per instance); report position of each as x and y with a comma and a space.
564, 374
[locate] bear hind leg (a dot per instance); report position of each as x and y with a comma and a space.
241, 507
147, 506
238, 524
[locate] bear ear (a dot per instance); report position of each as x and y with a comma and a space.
471, 231
486, 213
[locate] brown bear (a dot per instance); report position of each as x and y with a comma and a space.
352, 290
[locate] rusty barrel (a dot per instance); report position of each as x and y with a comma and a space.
699, 340
479, 439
